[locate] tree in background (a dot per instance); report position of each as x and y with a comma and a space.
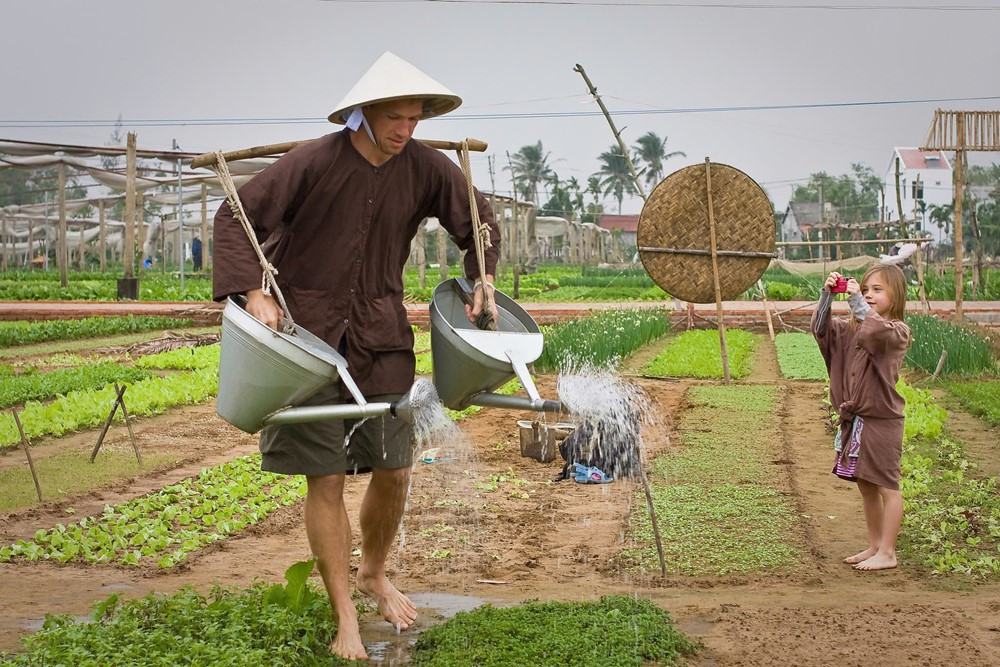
651, 150
615, 176
530, 168
856, 195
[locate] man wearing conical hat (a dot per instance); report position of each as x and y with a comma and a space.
336, 217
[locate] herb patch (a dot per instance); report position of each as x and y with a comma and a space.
27, 333
697, 353
601, 339
717, 509
799, 357
17, 389
613, 631
979, 398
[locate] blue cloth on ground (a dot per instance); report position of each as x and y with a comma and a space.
590, 475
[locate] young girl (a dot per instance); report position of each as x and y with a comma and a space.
863, 355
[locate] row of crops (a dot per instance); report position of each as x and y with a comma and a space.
953, 517
549, 283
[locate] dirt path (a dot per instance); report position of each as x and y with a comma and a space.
491, 515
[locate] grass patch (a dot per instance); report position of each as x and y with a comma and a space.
697, 353
65, 474
799, 357
614, 631
980, 398
717, 511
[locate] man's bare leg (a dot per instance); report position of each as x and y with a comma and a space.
329, 532
381, 511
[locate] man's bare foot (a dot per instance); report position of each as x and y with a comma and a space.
877, 562
347, 644
397, 609
858, 557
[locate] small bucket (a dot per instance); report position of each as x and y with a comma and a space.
469, 361
262, 370
541, 441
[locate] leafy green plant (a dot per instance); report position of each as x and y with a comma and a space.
170, 523
613, 631
186, 358
968, 354
799, 357
41, 386
602, 338
230, 627
697, 353
89, 408
26, 333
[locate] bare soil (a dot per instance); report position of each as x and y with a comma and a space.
561, 542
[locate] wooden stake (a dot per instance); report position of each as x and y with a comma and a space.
652, 513
767, 310
128, 249
27, 454
715, 272
940, 363
119, 400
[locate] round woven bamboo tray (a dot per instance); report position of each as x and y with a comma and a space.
674, 239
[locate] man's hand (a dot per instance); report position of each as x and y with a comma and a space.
472, 312
264, 308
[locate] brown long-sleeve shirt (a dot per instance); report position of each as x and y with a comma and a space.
338, 230
864, 362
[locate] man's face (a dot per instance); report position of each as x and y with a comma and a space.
392, 123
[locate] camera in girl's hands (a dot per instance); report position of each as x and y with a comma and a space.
841, 285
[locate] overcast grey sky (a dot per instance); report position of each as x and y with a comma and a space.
157, 62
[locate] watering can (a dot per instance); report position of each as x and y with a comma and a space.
264, 374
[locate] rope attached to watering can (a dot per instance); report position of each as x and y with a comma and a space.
267, 281
481, 232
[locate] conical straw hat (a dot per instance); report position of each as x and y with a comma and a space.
392, 78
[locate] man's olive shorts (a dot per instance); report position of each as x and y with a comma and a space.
317, 448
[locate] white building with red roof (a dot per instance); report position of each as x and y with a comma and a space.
925, 180
626, 224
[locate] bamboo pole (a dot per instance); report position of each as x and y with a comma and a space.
204, 228
851, 242
102, 234
208, 159
959, 177
27, 455
715, 272
618, 137
61, 246
918, 259
128, 247
3, 217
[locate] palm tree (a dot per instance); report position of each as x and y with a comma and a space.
653, 152
530, 167
615, 175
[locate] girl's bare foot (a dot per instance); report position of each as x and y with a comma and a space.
395, 607
863, 556
877, 562
347, 644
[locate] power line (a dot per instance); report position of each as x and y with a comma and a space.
698, 5
172, 122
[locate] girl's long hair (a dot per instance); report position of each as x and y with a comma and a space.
894, 281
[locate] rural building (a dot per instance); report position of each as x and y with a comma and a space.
925, 179
626, 224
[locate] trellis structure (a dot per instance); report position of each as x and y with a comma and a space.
962, 131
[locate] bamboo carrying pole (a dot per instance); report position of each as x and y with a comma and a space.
715, 272
207, 159
27, 454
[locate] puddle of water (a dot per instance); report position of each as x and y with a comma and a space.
387, 647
